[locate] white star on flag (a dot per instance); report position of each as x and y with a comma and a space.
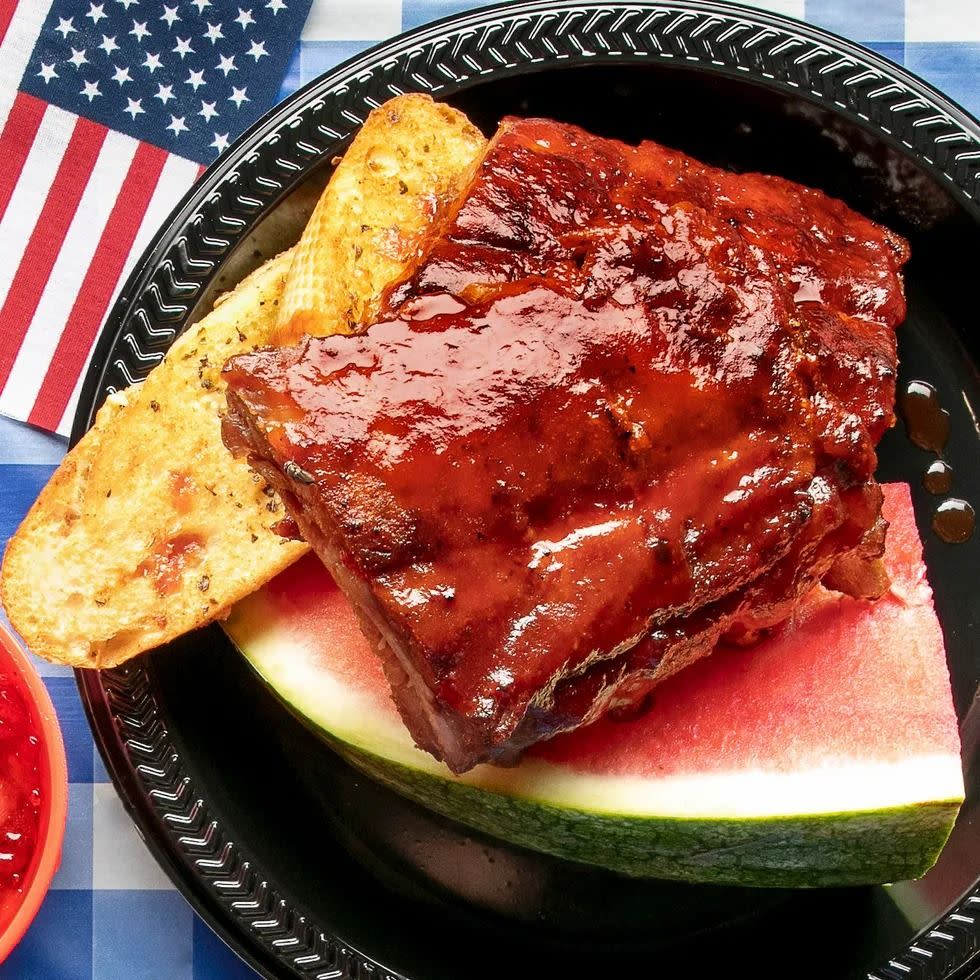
244, 18
121, 75
78, 58
66, 27
195, 79
139, 31
96, 13
176, 125
47, 72
128, 3
183, 47
169, 15
226, 64
275, 6
238, 96
213, 33
200, 4
91, 90
152, 62
208, 110
134, 107
108, 44
220, 141
164, 93
257, 50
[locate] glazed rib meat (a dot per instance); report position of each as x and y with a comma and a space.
625, 408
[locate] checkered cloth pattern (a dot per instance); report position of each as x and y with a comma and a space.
111, 913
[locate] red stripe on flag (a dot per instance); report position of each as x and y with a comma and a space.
16, 140
45, 241
97, 287
7, 8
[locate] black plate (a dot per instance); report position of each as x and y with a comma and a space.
308, 869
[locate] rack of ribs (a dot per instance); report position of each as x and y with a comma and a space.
625, 408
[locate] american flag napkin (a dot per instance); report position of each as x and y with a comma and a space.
109, 110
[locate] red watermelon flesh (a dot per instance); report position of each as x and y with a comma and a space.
779, 705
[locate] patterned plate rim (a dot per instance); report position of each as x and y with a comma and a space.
235, 897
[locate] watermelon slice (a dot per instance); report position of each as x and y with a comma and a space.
827, 754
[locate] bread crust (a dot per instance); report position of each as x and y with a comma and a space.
412, 158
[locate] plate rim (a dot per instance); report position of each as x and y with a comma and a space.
191, 245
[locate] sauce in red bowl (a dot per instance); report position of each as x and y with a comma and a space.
33, 792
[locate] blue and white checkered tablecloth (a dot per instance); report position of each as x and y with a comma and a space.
112, 914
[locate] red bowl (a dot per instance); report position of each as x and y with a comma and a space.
17, 909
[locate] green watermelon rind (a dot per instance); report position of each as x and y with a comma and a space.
830, 849
826, 848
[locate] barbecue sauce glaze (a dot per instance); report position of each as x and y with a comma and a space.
625, 407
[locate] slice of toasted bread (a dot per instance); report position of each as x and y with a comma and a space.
386, 194
150, 527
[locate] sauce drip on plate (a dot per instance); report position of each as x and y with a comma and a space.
926, 422
954, 521
927, 426
938, 479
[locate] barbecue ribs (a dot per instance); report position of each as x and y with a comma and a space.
625, 408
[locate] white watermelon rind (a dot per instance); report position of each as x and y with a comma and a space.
827, 849
848, 823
